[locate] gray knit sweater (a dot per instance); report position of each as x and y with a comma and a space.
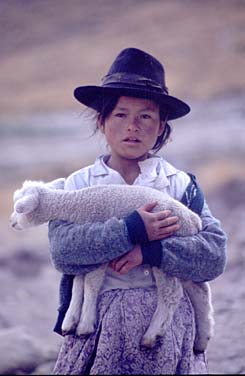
78, 249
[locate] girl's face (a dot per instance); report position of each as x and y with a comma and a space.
131, 130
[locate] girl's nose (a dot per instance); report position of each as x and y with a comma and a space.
133, 124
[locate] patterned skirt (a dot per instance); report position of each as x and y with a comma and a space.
114, 349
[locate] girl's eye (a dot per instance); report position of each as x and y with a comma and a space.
145, 116
120, 114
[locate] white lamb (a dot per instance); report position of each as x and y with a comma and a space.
37, 203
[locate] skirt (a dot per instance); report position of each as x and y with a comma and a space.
114, 348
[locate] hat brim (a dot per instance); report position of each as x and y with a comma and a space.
94, 97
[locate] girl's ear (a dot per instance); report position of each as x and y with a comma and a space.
101, 126
162, 127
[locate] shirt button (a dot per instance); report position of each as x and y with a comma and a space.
146, 272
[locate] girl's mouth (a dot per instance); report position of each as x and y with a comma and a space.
131, 140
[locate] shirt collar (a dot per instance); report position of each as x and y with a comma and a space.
154, 164
100, 168
151, 166
155, 172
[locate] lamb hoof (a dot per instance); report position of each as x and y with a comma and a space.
148, 342
68, 332
201, 344
69, 326
85, 329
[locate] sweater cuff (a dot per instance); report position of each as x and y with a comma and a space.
152, 253
136, 228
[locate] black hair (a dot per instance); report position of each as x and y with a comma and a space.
109, 103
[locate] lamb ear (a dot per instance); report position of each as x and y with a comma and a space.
17, 195
26, 204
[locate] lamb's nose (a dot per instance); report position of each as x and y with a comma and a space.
13, 224
12, 221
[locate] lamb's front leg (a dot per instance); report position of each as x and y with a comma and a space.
169, 292
92, 286
73, 313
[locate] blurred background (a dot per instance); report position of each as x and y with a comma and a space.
48, 47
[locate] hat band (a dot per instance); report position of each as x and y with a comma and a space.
131, 79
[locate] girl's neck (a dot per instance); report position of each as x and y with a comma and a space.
128, 168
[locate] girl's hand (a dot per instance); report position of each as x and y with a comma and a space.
158, 225
127, 262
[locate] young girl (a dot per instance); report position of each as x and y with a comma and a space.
133, 108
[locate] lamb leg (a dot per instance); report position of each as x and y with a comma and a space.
73, 314
92, 287
169, 292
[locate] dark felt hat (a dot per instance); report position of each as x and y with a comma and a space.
134, 73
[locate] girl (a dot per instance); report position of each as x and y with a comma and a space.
133, 108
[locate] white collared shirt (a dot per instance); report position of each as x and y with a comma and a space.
155, 172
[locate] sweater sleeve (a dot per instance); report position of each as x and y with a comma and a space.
80, 248
76, 248
200, 258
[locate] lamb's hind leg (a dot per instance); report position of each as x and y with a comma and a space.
92, 285
73, 314
200, 296
169, 292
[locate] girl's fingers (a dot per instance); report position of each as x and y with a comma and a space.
167, 221
150, 206
168, 231
113, 262
125, 268
162, 214
118, 264
127, 262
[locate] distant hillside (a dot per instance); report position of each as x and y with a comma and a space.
50, 46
